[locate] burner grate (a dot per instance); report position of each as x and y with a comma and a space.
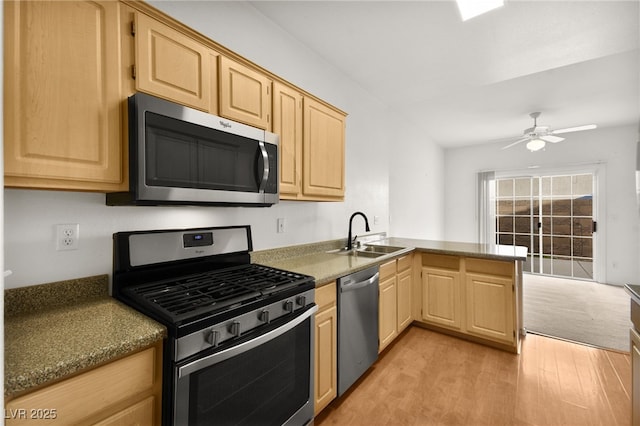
216, 290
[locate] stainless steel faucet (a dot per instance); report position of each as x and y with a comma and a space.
366, 224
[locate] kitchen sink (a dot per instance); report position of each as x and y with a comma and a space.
371, 251
381, 249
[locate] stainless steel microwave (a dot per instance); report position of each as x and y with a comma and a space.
182, 156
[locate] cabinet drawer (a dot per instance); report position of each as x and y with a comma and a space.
139, 414
326, 296
387, 269
441, 261
87, 394
404, 262
490, 267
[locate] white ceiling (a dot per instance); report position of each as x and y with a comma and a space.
578, 62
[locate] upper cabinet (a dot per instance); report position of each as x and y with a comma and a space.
287, 122
245, 94
174, 66
63, 101
323, 151
69, 68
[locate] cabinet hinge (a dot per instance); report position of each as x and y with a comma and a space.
133, 72
514, 334
133, 28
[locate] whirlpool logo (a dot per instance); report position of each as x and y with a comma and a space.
225, 124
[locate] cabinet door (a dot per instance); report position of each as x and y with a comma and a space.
173, 66
245, 94
490, 307
405, 283
323, 152
441, 298
326, 347
287, 123
62, 95
387, 326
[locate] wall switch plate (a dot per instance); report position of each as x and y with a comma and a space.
67, 236
280, 225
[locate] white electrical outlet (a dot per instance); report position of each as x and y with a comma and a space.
67, 236
280, 225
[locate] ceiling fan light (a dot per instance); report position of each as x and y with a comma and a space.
472, 8
535, 145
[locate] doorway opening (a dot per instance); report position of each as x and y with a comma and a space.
553, 216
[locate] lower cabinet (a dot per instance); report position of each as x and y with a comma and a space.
395, 314
123, 392
326, 347
471, 296
387, 305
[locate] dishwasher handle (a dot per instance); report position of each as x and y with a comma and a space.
354, 286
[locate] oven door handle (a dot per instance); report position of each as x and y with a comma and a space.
199, 364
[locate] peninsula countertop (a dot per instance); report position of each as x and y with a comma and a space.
321, 261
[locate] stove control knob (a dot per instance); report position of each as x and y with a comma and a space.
211, 337
235, 328
264, 316
288, 306
301, 300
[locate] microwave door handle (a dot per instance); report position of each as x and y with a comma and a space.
264, 156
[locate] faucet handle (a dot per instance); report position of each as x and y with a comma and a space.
356, 243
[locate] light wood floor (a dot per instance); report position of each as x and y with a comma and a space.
427, 378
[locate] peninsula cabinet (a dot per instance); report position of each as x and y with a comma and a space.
126, 391
387, 305
470, 297
326, 347
394, 304
63, 100
441, 295
173, 66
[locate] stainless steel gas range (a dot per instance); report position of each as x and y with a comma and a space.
240, 335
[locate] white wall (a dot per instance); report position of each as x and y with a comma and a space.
614, 147
31, 216
416, 184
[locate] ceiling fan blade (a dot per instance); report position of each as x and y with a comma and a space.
574, 129
516, 143
551, 138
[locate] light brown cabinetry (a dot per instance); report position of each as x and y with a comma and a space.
171, 65
441, 295
63, 101
287, 123
396, 282
323, 151
245, 94
471, 297
405, 291
490, 299
126, 391
387, 305
326, 347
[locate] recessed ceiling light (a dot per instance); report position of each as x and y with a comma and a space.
472, 8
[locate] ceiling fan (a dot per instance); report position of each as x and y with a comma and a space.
538, 136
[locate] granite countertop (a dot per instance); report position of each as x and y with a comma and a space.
325, 266
55, 330
634, 291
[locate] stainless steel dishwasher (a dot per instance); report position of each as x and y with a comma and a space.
357, 325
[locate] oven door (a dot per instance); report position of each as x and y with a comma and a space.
264, 379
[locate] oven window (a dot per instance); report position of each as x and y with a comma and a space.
186, 155
263, 386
